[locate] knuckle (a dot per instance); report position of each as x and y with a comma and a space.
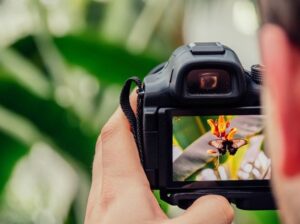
107, 132
222, 208
105, 136
107, 199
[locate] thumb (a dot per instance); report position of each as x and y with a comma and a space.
210, 209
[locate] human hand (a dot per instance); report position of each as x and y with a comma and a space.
120, 192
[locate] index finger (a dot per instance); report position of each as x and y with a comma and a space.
117, 159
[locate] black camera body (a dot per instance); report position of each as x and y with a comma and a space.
200, 79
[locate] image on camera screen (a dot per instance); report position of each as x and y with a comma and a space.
219, 148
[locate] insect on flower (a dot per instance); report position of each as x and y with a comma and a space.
225, 142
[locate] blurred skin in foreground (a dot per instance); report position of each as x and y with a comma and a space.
280, 46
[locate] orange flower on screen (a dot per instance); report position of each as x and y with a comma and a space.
218, 128
231, 133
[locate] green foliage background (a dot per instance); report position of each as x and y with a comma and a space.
58, 87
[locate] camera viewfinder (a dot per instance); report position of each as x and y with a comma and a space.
208, 81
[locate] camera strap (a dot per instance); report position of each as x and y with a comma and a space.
135, 119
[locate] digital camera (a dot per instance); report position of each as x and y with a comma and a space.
199, 128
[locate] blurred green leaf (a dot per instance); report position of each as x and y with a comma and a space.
108, 62
270, 216
24, 72
51, 119
72, 216
257, 217
164, 206
11, 152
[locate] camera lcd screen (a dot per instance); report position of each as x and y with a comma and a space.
219, 148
